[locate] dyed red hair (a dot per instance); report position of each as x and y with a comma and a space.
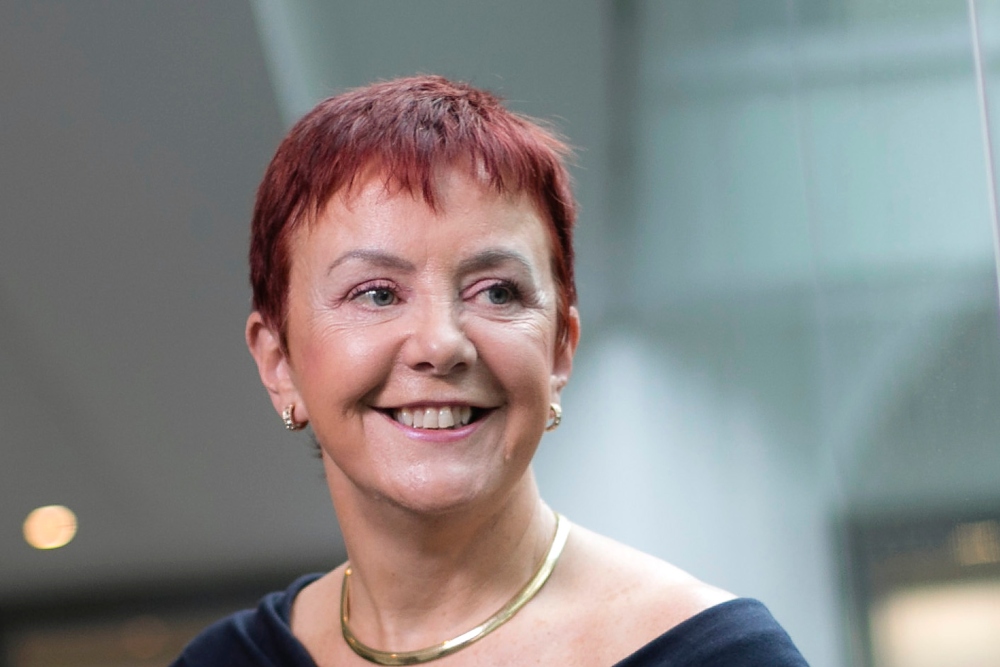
407, 129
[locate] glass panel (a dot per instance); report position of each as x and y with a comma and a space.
986, 27
818, 297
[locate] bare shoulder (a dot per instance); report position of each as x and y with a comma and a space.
630, 596
622, 575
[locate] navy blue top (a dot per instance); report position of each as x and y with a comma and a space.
738, 633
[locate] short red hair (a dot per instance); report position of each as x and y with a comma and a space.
406, 128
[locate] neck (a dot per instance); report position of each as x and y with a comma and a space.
419, 579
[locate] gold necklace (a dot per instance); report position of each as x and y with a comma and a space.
521, 598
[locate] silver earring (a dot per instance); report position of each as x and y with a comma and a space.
555, 417
288, 416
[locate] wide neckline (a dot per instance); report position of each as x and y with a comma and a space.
281, 608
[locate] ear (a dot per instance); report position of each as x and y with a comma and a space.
562, 366
273, 366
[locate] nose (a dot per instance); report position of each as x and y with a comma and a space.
438, 344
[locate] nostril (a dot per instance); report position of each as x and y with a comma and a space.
424, 367
440, 355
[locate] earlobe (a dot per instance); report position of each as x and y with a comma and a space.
273, 366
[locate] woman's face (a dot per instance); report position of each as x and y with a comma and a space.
421, 344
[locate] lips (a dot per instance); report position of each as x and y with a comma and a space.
434, 417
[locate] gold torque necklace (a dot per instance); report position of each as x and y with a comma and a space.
521, 598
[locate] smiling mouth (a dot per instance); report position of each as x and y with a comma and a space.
436, 417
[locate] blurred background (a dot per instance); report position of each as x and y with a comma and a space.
789, 380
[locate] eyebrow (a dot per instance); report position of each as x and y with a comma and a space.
374, 257
487, 259
493, 258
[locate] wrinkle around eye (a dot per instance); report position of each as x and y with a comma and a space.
534, 323
357, 308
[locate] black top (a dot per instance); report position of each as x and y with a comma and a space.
738, 633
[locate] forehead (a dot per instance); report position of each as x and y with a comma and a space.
378, 213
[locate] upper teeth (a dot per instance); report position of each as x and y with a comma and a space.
447, 417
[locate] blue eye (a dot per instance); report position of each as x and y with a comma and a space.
381, 297
500, 294
375, 296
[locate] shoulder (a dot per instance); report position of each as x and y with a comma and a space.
737, 633
619, 578
636, 606
227, 640
251, 638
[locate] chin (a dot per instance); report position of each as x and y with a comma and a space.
438, 492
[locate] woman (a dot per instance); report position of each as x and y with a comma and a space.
414, 304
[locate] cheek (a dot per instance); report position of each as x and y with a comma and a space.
344, 364
519, 354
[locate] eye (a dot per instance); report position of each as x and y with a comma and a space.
381, 297
499, 295
377, 296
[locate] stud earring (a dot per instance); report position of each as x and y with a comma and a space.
555, 417
288, 416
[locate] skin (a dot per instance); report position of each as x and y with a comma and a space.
392, 304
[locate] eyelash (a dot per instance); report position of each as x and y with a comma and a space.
369, 288
512, 288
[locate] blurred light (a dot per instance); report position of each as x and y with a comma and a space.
938, 625
50, 527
